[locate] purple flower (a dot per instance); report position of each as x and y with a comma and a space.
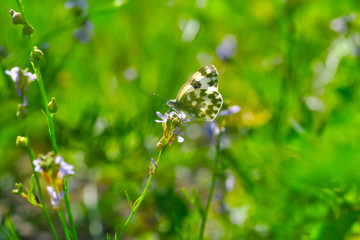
231, 110
81, 4
25, 102
227, 48
37, 165
153, 163
341, 25
84, 33
64, 167
184, 119
55, 197
177, 131
163, 118
22, 79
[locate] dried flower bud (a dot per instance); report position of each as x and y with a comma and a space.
28, 29
38, 54
53, 107
21, 142
16, 17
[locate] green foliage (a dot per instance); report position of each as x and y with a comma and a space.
289, 159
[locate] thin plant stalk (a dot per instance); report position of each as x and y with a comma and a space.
49, 116
68, 209
212, 187
36, 68
41, 196
63, 222
50, 121
141, 198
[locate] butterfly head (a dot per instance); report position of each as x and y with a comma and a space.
172, 103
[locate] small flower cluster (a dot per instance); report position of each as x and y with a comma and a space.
53, 169
22, 80
172, 124
17, 18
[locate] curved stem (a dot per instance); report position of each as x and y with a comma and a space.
141, 198
212, 187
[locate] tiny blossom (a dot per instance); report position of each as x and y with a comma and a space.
84, 33
164, 118
341, 24
79, 4
22, 79
183, 118
177, 131
55, 197
37, 166
231, 110
153, 162
212, 129
25, 102
64, 167
227, 48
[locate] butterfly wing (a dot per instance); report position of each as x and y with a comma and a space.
205, 78
202, 104
199, 97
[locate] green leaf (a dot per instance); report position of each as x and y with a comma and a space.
128, 198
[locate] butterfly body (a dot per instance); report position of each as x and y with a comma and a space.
199, 98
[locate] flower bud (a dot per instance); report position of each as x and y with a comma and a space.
38, 54
28, 29
22, 112
19, 189
53, 107
16, 17
21, 142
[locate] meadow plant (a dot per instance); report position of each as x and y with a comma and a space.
54, 170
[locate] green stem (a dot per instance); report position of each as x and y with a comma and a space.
43, 208
36, 68
45, 102
63, 222
212, 187
68, 209
141, 198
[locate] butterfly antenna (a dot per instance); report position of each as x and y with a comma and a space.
159, 95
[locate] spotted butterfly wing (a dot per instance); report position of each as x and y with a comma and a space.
199, 98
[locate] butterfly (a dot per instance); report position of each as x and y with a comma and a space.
199, 98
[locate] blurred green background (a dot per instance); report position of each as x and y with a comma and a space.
289, 159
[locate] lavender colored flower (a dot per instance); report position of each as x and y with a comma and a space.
184, 119
64, 167
22, 79
25, 102
37, 165
227, 48
177, 131
163, 118
341, 25
54, 196
153, 162
231, 110
85, 32
81, 5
